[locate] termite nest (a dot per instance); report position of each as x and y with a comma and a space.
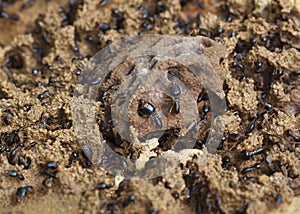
154, 113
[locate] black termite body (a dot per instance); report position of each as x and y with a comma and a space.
22, 192
278, 199
21, 177
176, 91
175, 195
294, 136
199, 144
102, 185
147, 109
234, 137
268, 106
27, 4
250, 178
12, 173
13, 138
157, 120
250, 127
103, 26
168, 136
221, 144
202, 96
250, 169
73, 157
14, 60
7, 117
165, 138
247, 169
27, 107
225, 161
131, 198
50, 169
239, 65
247, 154
12, 159
95, 81
51, 164
25, 161
205, 110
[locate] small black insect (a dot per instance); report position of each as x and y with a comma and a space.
14, 61
103, 26
7, 117
147, 109
21, 177
250, 178
39, 83
33, 143
176, 91
175, 195
253, 40
233, 53
250, 169
78, 72
51, 80
146, 25
168, 137
117, 17
205, 110
22, 192
51, 164
102, 185
234, 137
246, 154
202, 96
58, 58
233, 33
13, 156
258, 64
220, 30
199, 144
221, 144
145, 15
278, 199
225, 161
27, 4
165, 138
25, 161
50, 169
154, 211
44, 104
27, 107
268, 106
131, 198
42, 95
12, 173
103, 2
294, 136
35, 71
239, 65
250, 127
73, 157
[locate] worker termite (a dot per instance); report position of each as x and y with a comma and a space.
147, 109
175, 92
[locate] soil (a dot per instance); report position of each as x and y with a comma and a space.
44, 47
